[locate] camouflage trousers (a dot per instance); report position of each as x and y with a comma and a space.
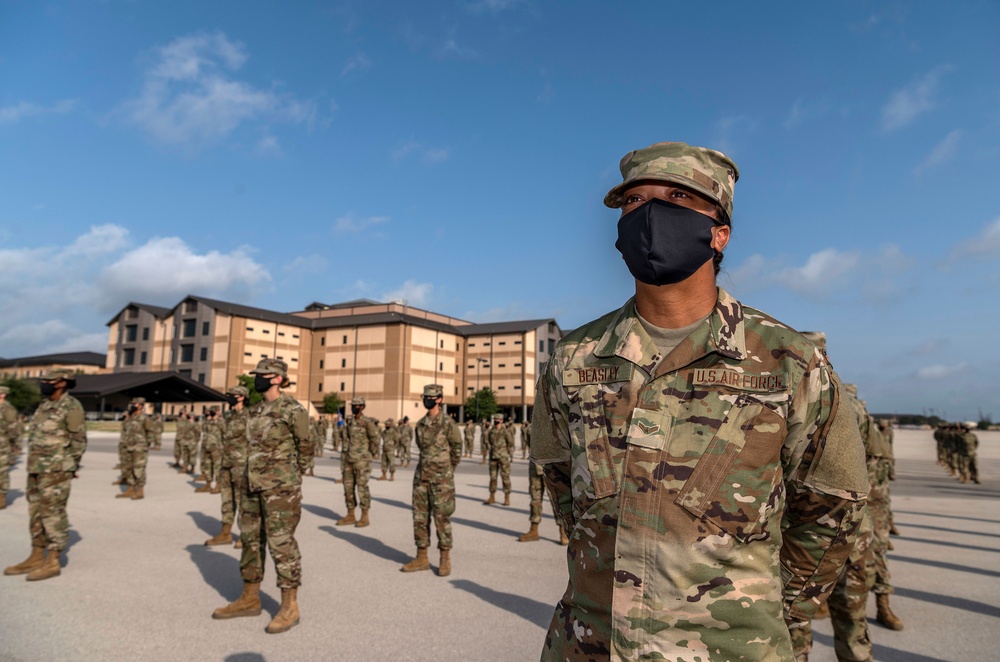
47, 496
389, 458
134, 466
435, 497
403, 450
356, 475
470, 440
536, 490
231, 484
270, 517
188, 452
5, 462
121, 457
878, 506
967, 467
211, 461
177, 451
501, 465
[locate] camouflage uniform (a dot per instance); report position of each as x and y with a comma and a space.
685, 479
233, 464
211, 448
500, 441
968, 443
405, 442
390, 441
157, 432
360, 444
525, 438
137, 432
57, 439
278, 452
8, 436
189, 447
468, 439
440, 447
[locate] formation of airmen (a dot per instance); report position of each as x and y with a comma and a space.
956, 450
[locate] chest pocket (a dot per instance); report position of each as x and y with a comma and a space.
736, 482
592, 404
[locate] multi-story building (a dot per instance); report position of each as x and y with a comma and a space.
86, 363
384, 352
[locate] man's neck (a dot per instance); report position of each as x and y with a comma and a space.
271, 394
679, 304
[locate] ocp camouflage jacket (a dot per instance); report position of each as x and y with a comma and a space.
57, 436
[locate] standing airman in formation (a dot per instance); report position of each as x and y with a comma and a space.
57, 440
405, 441
500, 442
211, 451
137, 433
390, 442
440, 446
8, 435
957, 445
360, 444
233, 463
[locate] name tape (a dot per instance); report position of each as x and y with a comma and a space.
739, 380
597, 375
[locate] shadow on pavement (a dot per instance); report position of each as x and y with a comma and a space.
485, 527
209, 525
486, 487
883, 652
12, 496
944, 565
949, 517
320, 511
393, 502
947, 530
222, 572
244, 657
479, 500
530, 610
946, 543
950, 601
370, 545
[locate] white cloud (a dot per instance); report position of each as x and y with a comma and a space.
359, 62
411, 293
268, 145
427, 155
165, 268
940, 371
350, 223
913, 100
802, 111
986, 244
434, 156
23, 109
943, 152
306, 264
189, 95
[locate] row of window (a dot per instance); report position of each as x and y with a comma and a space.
281, 334
486, 344
499, 388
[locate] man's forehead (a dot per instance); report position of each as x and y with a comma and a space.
665, 186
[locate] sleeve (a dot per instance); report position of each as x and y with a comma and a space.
303, 442
76, 425
455, 442
826, 488
550, 443
372, 431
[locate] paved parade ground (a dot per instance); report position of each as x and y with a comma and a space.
138, 583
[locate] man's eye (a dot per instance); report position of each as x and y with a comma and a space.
679, 194
633, 199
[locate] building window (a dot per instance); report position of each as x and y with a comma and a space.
517, 342
541, 345
441, 366
204, 353
552, 345
131, 333
190, 306
341, 387
129, 357
517, 365
502, 342
442, 344
142, 359
456, 390
517, 388
345, 340
189, 328
281, 333
263, 356
502, 365
343, 363
471, 389
294, 360
456, 369
266, 330
145, 333
456, 347
201, 378
472, 344
187, 353
204, 328
486, 344
186, 373
322, 341
172, 356
295, 335
319, 387
500, 388
176, 330
471, 366
247, 354
280, 358
249, 328
321, 364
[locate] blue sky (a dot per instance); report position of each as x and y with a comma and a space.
456, 155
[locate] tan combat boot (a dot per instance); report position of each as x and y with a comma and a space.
49, 568
138, 494
118, 481
506, 498
392, 476
885, 617
344, 521
419, 563
382, 477
288, 614
444, 568
239, 542
201, 476
563, 538
224, 538
531, 535
248, 604
33, 562
204, 488
364, 518
216, 489
127, 494
492, 499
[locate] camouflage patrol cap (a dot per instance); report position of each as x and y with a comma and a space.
239, 389
711, 173
4, 390
138, 401
498, 417
817, 338
271, 367
434, 391
358, 401
389, 421
852, 389
59, 373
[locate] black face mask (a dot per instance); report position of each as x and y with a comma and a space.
47, 388
261, 384
356, 409
233, 400
664, 243
430, 402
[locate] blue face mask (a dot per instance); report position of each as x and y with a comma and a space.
663, 243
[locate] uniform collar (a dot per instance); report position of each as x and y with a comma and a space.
722, 333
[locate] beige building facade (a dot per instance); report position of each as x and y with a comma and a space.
383, 352
33, 367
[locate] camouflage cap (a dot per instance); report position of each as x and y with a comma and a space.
138, 401
817, 338
59, 373
434, 390
711, 173
389, 421
4, 390
498, 416
358, 401
271, 367
239, 389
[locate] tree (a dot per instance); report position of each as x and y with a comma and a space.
482, 404
985, 422
23, 394
247, 381
332, 403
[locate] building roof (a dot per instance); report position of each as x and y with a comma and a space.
491, 328
250, 312
317, 305
156, 311
167, 386
64, 358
